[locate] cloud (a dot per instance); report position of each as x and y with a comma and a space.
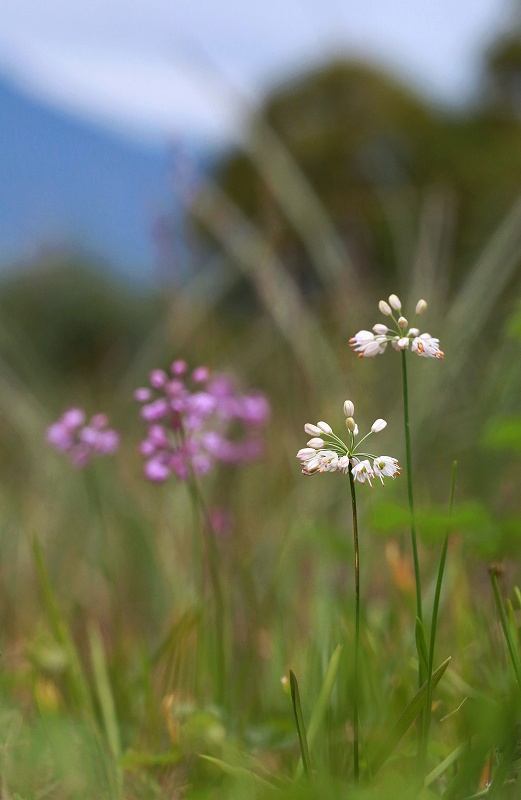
154, 68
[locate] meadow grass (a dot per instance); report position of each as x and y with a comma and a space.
126, 676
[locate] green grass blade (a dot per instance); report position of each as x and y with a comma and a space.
507, 632
421, 647
104, 691
299, 721
405, 720
438, 771
239, 772
320, 708
75, 675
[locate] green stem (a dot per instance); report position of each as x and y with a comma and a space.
213, 569
411, 496
434, 622
356, 730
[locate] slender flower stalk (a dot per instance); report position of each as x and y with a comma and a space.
410, 495
196, 420
402, 337
212, 559
327, 452
356, 721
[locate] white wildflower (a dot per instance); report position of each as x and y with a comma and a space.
367, 345
312, 430
385, 308
329, 453
394, 302
427, 346
386, 465
363, 472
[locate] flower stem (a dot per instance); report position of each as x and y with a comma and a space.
214, 571
411, 497
356, 732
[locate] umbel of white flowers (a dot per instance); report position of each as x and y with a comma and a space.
369, 344
326, 452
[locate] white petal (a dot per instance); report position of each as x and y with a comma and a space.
324, 427
378, 425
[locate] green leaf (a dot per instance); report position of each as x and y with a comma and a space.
421, 647
405, 720
104, 690
299, 721
75, 674
320, 708
438, 771
239, 772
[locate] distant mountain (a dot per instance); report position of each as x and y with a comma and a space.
67, 183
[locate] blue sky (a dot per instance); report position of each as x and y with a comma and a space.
153, 68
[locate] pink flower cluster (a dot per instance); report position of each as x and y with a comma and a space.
81, 441
197, 419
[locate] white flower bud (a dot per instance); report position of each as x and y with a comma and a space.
402, 322
349, 409
350, 424
306, 452
403, 343
385, 308
324, 427
316, 443
312, 430
380, 329
378, 425
413, 332
394, 302
421, 305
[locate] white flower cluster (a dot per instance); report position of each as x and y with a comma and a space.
369, 344
326, 452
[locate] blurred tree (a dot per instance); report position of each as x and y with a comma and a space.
371, 149
72, 317
503, 75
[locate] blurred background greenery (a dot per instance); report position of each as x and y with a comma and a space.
350, 186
